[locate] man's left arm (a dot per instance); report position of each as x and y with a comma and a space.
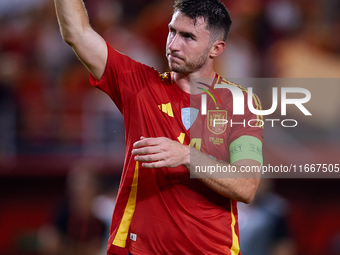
240, 186
164, 152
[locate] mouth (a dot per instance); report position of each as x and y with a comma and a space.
173, 56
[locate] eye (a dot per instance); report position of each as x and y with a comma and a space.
172, 30
188, 37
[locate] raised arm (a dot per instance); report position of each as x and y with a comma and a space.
76, 31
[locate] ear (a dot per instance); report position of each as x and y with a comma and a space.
217, 48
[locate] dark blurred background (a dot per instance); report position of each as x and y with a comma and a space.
57, 132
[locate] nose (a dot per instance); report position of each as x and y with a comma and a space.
173, 42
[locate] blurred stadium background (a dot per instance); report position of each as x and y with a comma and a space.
52, 121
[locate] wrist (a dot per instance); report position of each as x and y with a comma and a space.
186, 158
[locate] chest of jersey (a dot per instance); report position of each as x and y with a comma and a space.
167, 111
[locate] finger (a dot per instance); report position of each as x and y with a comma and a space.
149, 157
146, 142
145, 150
157, 164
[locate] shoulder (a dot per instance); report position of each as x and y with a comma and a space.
233, 89
222, 81
125, 64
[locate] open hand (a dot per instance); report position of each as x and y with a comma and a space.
160, 152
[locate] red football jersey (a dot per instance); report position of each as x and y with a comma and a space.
164, 211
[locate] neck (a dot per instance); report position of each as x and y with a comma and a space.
183, 79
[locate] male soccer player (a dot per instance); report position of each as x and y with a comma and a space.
159, 208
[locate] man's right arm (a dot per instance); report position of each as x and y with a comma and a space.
76, 31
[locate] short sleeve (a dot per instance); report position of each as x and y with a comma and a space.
123, 77
248, 124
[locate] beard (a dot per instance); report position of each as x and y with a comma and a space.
184, 66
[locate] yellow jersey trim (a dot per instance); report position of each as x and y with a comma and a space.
123, 230
235, 248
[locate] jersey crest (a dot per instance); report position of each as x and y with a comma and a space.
217, 121
189, 116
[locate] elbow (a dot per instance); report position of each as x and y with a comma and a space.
247, 199
72, 36
250, 190
249, 194
67, 37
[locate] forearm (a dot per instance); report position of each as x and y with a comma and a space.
240, 188
163, 152
76, 31
73, 19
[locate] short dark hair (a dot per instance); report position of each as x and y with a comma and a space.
214, 13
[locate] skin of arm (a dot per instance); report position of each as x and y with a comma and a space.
76, 31
164, 152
